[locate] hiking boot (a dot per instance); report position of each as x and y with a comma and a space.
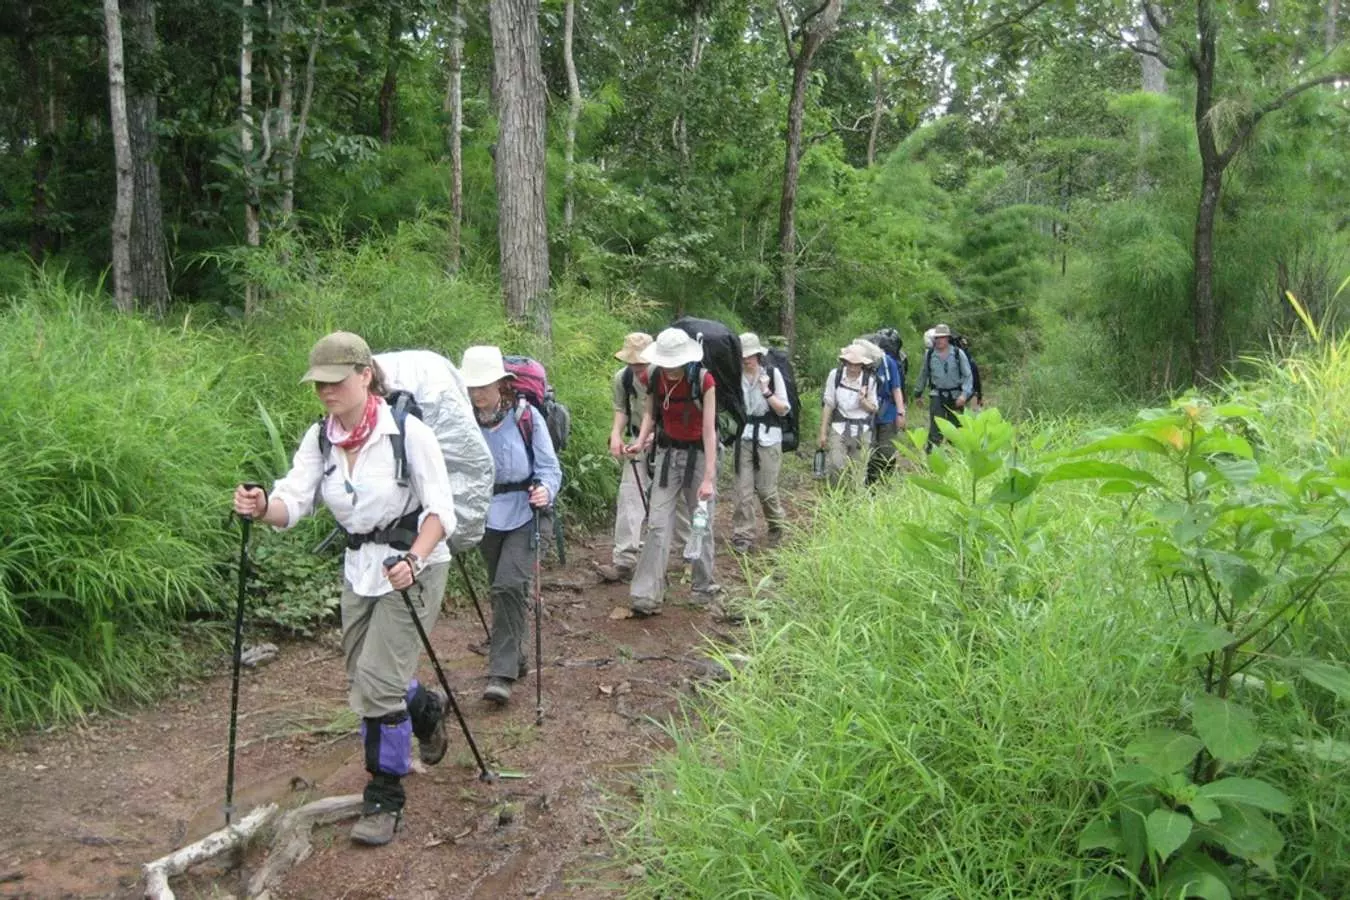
523, 667
375, 829
643, 608
615, 573
432, 750
706, 596
498, 690
740, 546
775, 537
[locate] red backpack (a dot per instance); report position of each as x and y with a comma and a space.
531, 384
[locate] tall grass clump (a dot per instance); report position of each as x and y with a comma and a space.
119, 448
1102, 665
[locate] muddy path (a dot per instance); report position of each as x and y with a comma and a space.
85, 806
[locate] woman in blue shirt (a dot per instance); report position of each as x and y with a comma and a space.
528, 478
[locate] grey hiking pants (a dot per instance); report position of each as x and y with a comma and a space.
848, 454
757, 486
510, 565
649, 580
381, 645
630, 518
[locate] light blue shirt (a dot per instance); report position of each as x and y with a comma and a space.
511, 510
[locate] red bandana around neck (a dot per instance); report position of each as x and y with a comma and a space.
363, 430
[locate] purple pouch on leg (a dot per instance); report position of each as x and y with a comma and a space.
388, 744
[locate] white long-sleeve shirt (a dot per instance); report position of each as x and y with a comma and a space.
365, 495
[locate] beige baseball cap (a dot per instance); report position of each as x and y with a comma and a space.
336, 356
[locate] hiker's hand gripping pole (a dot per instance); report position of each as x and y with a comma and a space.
483, 773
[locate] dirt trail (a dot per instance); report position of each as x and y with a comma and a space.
85, 807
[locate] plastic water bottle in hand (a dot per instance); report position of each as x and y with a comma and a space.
699, 530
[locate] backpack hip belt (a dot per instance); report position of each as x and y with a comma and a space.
692, 450
398, 534
947, 393
512, 487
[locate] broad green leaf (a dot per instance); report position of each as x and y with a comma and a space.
1164, 751
938, 463
1138, 442
1095, 468
982, 465
1222, 442
1199, 638
1167, 831
1245, 832
1235, 411
1111, 488
1204, 809
1249, 791
1100, 835
1019, 486
1228, 730
1104, 886
1194, 874
1327, 750
1332, 676
937, 487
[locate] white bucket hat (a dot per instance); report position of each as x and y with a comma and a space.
856, 355
672, 349
751, 346
482, 366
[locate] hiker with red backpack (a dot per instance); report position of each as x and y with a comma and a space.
759, 452
681, 419
849, 403
349, 461
528, 479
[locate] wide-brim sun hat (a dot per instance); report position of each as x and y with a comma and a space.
874, 353
672, 349
633, 345
483, 366
751, 346
335, 356
855, 355
941, 331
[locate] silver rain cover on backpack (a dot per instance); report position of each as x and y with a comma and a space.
438, 388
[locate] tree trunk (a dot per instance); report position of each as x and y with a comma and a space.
297, 140
1152, 72
389, 89
252, 202
149, 272
1333, 12
573, 113
1203, 311
695, 55
821, 25
41, 237
878, 108
522, 226
121, 226
454, 102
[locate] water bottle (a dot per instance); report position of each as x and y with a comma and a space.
818, 464
699, 521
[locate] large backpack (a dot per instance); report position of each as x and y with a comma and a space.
722, 360
888, 339
427, 385
780, 366
531, 384
956, 348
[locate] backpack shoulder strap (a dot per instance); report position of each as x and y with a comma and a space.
694, 372
525, 423
399, 441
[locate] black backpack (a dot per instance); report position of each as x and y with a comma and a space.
963, 343
722, 360
780, 366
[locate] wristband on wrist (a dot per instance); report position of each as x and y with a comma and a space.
267, 504
415, 563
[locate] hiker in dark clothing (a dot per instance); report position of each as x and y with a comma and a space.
946, 375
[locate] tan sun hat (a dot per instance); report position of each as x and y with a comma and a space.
874, 354
633, 345
336, 356
672, 349
854, 354
941, 331
482, 366
751, 346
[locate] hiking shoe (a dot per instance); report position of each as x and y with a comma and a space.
498, 691
615, 573
375, 829
643, 608
775, 537
741, 547
523, 667
432, 750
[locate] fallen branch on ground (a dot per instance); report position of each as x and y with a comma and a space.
158, 873
291, 845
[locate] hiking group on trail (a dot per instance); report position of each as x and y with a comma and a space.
418, 459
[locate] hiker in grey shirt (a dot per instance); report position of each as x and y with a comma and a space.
946, 374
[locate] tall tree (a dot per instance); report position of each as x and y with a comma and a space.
803, 40
522, 224
573, 112
389, 88
454, 105
117, 94
252, 197
1197, 50
149, 276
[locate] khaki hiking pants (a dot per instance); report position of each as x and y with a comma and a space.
630, 518
847, 454
649, 580
757, 484
381, 644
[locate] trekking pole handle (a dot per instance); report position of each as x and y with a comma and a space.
249, 486
534, 535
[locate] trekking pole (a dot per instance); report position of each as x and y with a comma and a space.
246, 528
473, 595
483, 773
537, 544
637, 476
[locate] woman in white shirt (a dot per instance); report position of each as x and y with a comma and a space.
351, 468
850, 402
759, 453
